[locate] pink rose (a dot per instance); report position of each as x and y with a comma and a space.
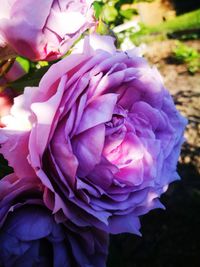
102, 134
43, 30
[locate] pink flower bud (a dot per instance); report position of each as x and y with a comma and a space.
43, 30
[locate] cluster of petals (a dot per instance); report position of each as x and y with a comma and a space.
30, 236
101, 133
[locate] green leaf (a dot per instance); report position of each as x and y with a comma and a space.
102, 28
98, 9
25, 64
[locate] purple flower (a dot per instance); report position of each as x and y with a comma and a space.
43, 30
30, 236
102, 134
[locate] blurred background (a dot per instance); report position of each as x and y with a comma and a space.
168, 35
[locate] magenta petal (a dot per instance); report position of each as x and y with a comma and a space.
45, 113
101, 109
63, 154
132, 174
15, 150
88, 147
131, 149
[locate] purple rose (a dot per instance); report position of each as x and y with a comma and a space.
43, 30
102, 134
29, 235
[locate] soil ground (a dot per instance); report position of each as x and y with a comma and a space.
185, 89
171, 238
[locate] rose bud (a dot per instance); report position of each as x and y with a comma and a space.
43, 30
